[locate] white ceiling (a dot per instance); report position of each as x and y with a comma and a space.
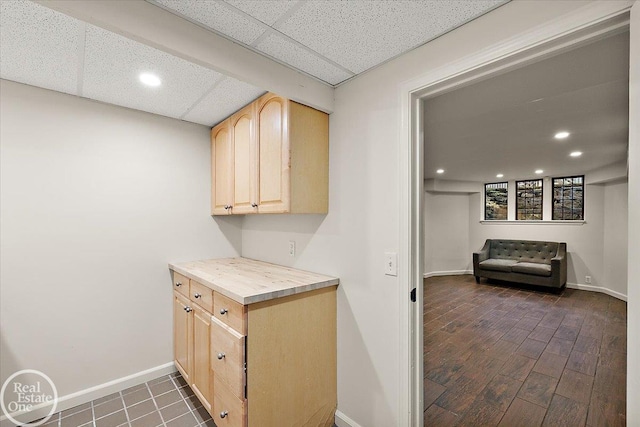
331, 41
506, 124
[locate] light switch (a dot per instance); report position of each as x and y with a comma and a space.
292, 248
390, 264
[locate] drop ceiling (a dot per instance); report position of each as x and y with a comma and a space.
332, 41
506, 124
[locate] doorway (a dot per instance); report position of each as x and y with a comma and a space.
563, 36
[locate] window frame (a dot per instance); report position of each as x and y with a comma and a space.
541, 199
485, 200
553, 198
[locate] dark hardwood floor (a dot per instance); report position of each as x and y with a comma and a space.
496, 355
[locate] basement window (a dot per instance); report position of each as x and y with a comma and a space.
529, 200
495, 201
568, 198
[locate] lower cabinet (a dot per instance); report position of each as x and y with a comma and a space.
192, 337
265, 364
201, 383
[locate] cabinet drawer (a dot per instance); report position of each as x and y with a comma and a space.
228, 410
227, 356
201, 295
181, 284
230, 313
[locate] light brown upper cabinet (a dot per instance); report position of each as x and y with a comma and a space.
243, 133
221, 169
271, 157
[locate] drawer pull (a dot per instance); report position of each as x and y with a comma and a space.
221, 356
178, 284
223, 311
254, 205
197, 295
188, 309
224, 414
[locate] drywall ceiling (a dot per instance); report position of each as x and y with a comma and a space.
506, 124
331, 41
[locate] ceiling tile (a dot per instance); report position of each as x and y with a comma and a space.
361, 34
112, 67
267, 11
290, 53
38, 46
226, 98
216, 16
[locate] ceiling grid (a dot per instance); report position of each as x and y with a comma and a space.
330, 41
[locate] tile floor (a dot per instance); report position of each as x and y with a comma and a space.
504, 356
165, 401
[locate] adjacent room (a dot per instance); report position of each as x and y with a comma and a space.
210, 213
537, 154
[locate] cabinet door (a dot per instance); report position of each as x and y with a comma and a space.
244, 161
274, 158
182, 334
221, 169
201, 380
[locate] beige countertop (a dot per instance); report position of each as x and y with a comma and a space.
248, 281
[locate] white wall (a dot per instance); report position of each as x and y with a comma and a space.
95, 201
363, 217
616, 233
446, 227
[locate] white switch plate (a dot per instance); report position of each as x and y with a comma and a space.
390, 264
292, 248
587, 279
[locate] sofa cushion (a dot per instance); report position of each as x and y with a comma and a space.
498, 264
536, 269
523, 250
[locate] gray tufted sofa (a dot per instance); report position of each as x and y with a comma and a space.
522, 261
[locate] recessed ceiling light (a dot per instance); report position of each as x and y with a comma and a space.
539, 171
576, 154
150, 79
561, 135
440, 171
499, 175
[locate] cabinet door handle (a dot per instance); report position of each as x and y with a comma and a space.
188, 309
224, 414
221, 356
178, 284
254, 205
197, 295
223, 311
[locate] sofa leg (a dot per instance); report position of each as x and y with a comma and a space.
477, 279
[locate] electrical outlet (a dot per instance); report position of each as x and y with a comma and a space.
390, 264
292, 248
587, 279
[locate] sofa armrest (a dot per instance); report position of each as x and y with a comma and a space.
481, 255
559, 266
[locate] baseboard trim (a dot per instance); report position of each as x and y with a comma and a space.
578, 286
96, 392
343, 421
600, 289
447, 273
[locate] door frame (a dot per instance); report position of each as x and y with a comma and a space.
594, 20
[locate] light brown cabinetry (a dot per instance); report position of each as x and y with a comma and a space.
221, 169
271, 157
269, 360
192, 336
